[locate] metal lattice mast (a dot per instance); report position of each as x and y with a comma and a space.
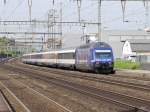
99, 20
61, 14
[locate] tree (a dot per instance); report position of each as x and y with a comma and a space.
5, 47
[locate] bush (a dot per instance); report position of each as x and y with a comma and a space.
123, 64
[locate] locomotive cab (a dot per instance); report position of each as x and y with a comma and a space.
96, 56
103, 60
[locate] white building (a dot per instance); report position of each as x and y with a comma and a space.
137, 50
127, 52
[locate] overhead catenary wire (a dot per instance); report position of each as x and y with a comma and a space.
73, 14
13, 11
115, 18
4, 8
136, 12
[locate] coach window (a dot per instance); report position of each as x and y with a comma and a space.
31, 56
39, 56
65, 56
45, 56
73, 55
59, 56
28, 57
50, 57
70, 56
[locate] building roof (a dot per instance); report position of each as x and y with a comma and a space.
140, 45
140, 41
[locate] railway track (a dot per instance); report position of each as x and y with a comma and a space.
86, 76
81, 74
30, 99
5, 105
134, 104
13, 103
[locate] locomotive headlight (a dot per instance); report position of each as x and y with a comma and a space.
110, 63
97, 63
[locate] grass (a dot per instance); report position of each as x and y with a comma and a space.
123, 64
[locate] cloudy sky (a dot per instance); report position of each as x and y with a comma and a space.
111, 12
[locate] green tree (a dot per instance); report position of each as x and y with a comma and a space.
5, 47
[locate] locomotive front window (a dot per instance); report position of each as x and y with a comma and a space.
103, 55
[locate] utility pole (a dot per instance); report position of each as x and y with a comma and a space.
5, 2
123, 4
30, 7
60, 42
79, 9
48, 27
146, 13
99, 20
30, 19
99, 16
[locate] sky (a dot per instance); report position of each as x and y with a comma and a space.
111, 12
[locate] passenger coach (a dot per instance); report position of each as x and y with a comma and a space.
61, 58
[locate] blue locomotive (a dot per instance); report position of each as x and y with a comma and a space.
97, 57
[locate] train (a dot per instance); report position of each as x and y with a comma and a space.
93, 57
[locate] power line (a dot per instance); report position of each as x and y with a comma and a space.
83, 9
13, 11
3, 11
127, 15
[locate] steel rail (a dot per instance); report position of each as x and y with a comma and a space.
8, 107
131, 102
17, 99
45, 97
107, 79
